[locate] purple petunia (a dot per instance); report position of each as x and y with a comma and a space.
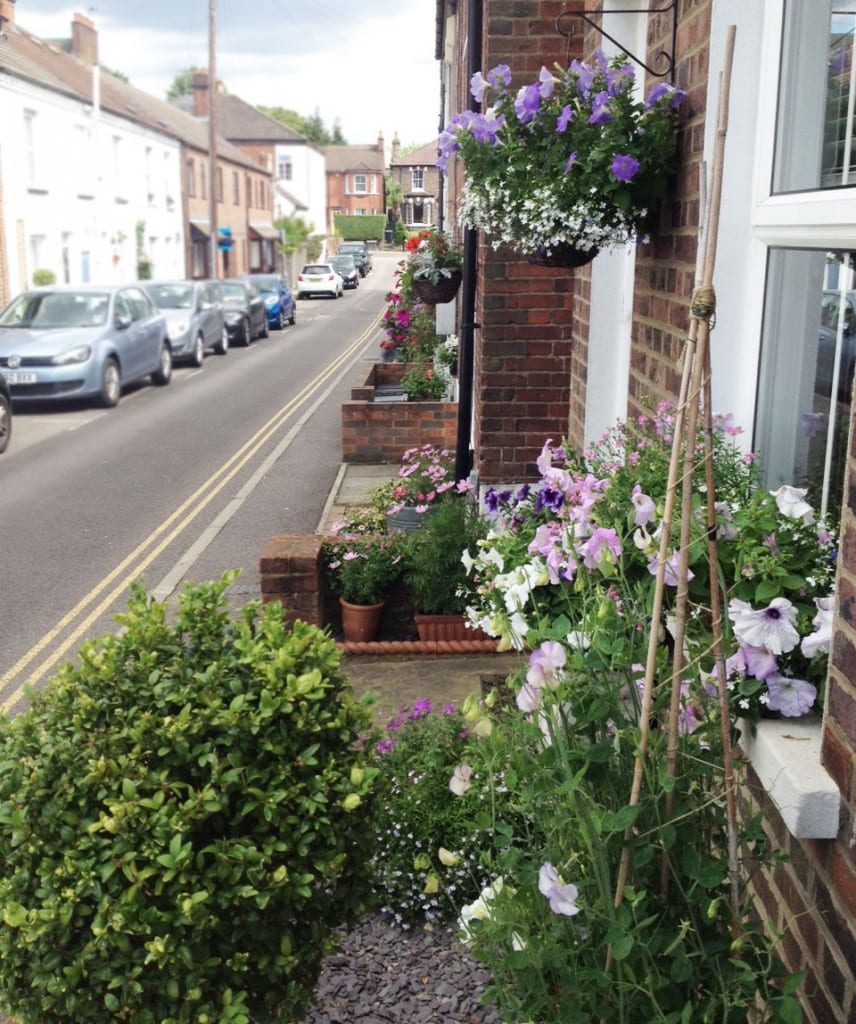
565, 118
624, 167
601, 112
526, 103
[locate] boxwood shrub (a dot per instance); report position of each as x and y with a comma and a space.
184, 820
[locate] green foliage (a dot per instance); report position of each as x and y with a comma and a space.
435, 573
362, 562
184, 820
43, 276
399, 232
354, 228
182, 84
426, 382
311, 127
298, 235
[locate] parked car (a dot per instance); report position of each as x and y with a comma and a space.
80, 342
361, 254
5, 414
244, 311
319, 279
194, 318
836, 307
280, 304
347, 269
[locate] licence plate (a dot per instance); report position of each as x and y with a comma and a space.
19, 377
316, 280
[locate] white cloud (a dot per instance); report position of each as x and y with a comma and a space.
370, 67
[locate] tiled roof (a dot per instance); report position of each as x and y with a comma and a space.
425, 155
242, 122
25, 56
341, 159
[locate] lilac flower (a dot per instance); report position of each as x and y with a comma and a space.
821, 638
564, 119
790, 697
602, 549
600, 110
546, 83
562, 896
773, 627
526, 103
644, 506
624, 167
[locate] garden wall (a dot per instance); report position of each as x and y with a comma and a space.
379, 431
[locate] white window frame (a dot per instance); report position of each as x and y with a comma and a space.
358, 180
31, 149
417, 178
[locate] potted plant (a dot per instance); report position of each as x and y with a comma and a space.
425, 381
566, 165
425, 476
435, 266
362, 563
435, 571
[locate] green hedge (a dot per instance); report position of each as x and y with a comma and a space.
360, 229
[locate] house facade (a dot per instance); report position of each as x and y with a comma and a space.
420, 181
557, 352
355, 181
132, 196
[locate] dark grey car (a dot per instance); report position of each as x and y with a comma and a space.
244, 311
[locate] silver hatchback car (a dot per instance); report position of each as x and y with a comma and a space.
82, 342
194, 318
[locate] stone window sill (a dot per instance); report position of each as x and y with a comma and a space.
785, 754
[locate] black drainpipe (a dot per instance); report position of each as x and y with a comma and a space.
463, 455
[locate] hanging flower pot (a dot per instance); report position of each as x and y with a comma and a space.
360, 622
444, 290
563, 255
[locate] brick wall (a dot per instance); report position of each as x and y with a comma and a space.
291, 572
378, 432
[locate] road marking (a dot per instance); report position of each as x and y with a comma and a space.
135, 562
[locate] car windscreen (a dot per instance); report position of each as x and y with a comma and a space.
57, 309
321, 268
265, 284
343, 263
233, 292
171, 296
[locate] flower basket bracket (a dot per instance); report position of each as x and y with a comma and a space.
662, 55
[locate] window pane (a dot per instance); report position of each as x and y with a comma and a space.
806, 373
817, 97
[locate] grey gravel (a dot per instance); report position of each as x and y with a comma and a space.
385, 974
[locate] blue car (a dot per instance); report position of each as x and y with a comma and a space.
279, 302
85, 342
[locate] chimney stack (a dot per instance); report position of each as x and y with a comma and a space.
396, 146
7, 13
200, 92
84, 40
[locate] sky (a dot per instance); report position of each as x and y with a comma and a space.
369, 65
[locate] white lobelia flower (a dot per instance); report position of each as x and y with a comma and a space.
791, 502
773, 627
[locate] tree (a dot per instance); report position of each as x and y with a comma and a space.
394, 198
298, 234
182, 84
312, 127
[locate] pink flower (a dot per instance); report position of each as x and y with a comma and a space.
601, 549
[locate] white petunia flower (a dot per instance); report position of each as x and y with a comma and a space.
773, 627
791, 502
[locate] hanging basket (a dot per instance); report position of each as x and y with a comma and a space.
563, 255
443, 291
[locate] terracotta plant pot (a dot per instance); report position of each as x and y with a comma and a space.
445, 627
360, 622
443, 291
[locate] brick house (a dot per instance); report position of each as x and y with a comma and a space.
420, 181
550, 353
355, 181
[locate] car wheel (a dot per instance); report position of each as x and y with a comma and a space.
111, 384
245, 334
280, 323
163, 374
265, 331
293, 318
198, 356
222, 346
5, 422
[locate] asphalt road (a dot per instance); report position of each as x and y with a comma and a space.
174, 484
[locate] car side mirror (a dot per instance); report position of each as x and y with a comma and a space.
122, 321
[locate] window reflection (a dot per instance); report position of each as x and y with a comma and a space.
806, 374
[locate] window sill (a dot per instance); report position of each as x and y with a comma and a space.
785, 754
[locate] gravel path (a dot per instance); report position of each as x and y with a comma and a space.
383, 974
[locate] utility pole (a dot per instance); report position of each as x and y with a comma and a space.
212, 136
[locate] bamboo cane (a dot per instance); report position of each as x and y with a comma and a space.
698, 323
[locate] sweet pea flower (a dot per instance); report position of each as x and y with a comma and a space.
672, 565
460, 781
644, 506
529, 698
791, 502
773, 627
821, 638
562, 896
546, 664
790, 697
602, 549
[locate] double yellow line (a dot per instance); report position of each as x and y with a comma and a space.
135, 563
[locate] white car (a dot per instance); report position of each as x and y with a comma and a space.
319, 279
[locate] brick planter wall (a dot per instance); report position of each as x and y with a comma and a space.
377, 432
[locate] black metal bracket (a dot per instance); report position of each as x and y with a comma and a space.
672, 6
